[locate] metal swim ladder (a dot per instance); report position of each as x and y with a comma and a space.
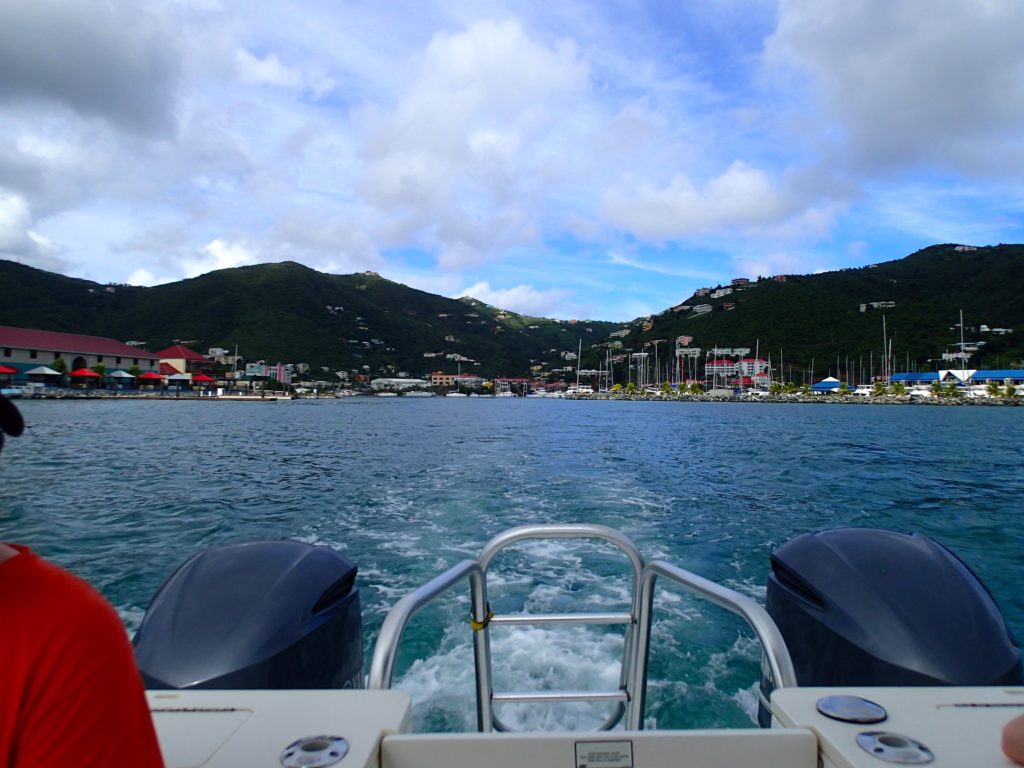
630, 696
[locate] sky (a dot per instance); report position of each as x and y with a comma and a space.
589, 160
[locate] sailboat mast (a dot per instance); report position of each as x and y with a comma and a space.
579, 359
885, 356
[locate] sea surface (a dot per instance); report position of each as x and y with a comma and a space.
121, 492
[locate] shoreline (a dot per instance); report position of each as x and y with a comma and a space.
603, 396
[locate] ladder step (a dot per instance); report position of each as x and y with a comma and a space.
556, 696
563, 618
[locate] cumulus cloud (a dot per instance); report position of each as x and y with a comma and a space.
147, 278
455, 163
909, 83
741, 197
19, 241
270, 71
524, 299
218, 254
112, 60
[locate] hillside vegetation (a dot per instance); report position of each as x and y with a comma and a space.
365, 323
818, 317
290, 313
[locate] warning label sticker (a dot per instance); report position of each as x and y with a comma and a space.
604, 754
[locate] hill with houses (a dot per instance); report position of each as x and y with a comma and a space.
361, 323
364, 323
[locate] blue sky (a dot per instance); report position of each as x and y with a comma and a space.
569, 159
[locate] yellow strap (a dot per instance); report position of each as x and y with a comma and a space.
479, 625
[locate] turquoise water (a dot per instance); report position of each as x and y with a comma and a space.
122, 492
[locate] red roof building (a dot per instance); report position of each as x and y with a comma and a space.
183, 360
26, 348
178, 352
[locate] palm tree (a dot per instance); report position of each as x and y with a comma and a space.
952, 389
879, 388
898, 388
775, 389
937, 389
790, 388
993, 389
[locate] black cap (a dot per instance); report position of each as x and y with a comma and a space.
10, 420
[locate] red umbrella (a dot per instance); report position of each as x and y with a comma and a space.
82, 372
203, 377
149, 375
4, 369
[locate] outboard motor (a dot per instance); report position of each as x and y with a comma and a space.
860, 606
268, 614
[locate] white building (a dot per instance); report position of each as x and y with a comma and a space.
751, 366
397, 385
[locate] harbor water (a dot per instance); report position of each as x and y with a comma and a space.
121, 492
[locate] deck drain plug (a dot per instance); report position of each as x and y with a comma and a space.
314, 752
894, 748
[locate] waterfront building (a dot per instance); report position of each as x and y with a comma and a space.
397, 385
749, 367
179, 359
830, 385
25, 348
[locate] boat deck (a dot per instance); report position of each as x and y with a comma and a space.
217, 729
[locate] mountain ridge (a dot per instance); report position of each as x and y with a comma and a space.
366, 323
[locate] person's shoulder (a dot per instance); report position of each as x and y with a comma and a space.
54, 595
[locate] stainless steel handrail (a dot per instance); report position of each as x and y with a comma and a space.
385, 652
633, 679
564, 531
564, 618
627, 679
772, 644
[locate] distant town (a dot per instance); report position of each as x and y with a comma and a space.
49, 364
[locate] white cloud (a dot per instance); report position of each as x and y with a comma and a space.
741, 197
115, 60
933, 82
524, 299
448, 284
218, 254
147, 278
331, 240
19, 241
270, 71
776, 263
661, 269
456, 164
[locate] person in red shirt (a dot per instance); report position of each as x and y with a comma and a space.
70, 692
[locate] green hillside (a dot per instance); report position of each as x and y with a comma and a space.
818, 317
288, 312
365, 323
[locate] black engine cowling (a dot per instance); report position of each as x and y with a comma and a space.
859, 606
268, 614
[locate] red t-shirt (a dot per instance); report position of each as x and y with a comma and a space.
70, 693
